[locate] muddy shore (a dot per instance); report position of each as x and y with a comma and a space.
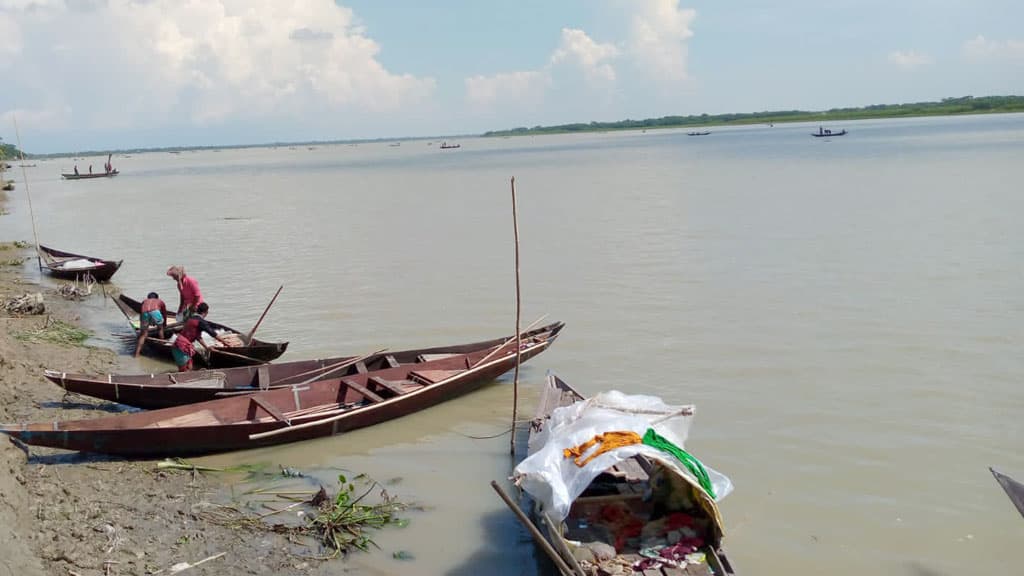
66, 513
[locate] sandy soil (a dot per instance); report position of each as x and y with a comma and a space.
65, 513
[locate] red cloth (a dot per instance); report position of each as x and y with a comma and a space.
190, 294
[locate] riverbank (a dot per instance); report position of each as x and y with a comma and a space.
65, 513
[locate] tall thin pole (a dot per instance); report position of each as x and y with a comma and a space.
31, 212
515, 379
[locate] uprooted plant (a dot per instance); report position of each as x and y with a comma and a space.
341, 524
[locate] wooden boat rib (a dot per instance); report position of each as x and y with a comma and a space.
68, 265
283, 415
87, 176
626, 485
177, 388
253, 351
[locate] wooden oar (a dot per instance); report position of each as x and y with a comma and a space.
339, 367
330, 370
265, 310
341, 363
505, 343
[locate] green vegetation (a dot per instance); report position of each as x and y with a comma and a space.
946, 107
56, 332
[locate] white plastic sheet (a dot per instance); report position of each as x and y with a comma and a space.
554, 481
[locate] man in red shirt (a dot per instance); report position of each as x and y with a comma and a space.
188, 289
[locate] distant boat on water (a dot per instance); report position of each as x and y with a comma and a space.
701, 133
108, 172
822, 133
447, 146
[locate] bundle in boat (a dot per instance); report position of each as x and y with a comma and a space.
288, 414
615, 492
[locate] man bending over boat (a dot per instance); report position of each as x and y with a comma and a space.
152, 313
188, 290
192, 333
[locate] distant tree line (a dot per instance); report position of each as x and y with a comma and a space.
945, 107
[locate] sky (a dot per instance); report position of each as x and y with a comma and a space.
117, 74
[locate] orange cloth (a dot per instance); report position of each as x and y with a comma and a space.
608, 441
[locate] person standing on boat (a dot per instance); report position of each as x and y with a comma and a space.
188, 290
152, 313
76, 169
184, 345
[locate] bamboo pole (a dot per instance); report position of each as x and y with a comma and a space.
265, 310
563, 568
31, 211
515, 378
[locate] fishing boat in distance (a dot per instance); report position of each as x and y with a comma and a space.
614, 490
447, 146
245, 351
108, 172
70, 266
290, 414
700, 133
822, 133
151, 391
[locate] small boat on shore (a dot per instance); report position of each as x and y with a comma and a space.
70, 266
178, 388
248, 352
290, 414
629, 500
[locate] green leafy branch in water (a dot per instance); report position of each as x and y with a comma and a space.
56, 332
341, 525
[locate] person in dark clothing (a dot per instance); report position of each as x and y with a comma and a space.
191, 334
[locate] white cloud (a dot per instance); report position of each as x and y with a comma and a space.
579, 49
658, 36
142, 64
524, 88
909, 58
981, 48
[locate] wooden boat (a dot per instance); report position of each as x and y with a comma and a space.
284, 415
73, 176
250, 351
178, 388
71, 266
702, 133
447, 146
638, 496
826, 133
7, 186
1013, 489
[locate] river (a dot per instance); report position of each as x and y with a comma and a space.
847, 314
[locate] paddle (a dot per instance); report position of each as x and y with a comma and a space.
267, 309
563, 568
331, 369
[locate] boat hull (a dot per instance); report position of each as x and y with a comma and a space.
230, 423
51, 260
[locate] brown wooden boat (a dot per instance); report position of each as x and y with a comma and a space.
624, 491
71, 266
178, 388
252, 351
283, 415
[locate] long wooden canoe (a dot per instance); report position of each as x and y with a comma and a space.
70, 266
89, 175
286, 414
178, 388
252, 351
620, 491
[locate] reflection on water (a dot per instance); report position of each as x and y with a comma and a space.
845, 313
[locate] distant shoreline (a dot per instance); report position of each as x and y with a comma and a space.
945, 107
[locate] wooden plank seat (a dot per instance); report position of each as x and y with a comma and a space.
369, 395
390, 362
270, 409
392, 387
427, 377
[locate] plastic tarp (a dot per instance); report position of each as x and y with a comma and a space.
555, 481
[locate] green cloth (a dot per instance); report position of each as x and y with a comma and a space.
654, 440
